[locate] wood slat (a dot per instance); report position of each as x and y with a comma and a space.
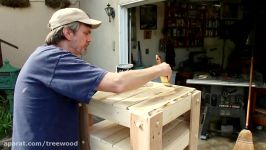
123, 145
110, 97
124, 95
143, 96
101, 95
117, 136
118, 97
161, 100
99, 126
175, 137
170, 126
176, 109
98, 145
106, 131
105, 135
106, 111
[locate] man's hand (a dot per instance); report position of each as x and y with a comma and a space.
166, 71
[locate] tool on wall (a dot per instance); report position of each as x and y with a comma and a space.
139, 63
163, 79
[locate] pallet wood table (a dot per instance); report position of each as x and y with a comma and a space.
147, 118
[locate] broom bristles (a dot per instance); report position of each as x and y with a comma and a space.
244, 141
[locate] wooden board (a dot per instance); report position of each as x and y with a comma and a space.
116, 115
175, 136
161, 100
145, 95
110, 97
151, 90
146, 133
101, 95
194, 120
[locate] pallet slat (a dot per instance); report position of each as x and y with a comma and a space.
161, 100
146, 95
111, 98
175, 136
103, 110
104, 131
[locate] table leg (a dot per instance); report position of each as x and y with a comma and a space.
83, 127
146, 132
194, 120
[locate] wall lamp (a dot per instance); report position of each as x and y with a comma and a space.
110, 12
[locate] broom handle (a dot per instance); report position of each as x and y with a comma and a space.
249, 91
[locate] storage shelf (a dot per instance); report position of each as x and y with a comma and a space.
194, 21
110, 136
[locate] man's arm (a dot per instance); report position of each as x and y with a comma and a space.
132, 79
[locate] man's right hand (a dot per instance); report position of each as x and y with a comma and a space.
165, 70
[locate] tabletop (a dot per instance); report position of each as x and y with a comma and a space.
146, 100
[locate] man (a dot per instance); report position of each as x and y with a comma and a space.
54, 80
167, 46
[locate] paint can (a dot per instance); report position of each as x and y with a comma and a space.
123, 67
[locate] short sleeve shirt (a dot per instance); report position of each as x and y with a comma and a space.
48, 89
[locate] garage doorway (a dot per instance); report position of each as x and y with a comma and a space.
126, 32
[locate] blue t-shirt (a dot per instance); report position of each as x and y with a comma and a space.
48, 89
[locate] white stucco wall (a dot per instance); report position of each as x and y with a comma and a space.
103, 50
25, 28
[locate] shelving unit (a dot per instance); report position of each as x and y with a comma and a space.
212, 21
189, 23
153, 117
231, 13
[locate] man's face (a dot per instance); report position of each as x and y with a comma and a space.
81, 39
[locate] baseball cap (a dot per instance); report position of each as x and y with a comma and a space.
69, 15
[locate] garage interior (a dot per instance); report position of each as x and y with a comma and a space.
209, 45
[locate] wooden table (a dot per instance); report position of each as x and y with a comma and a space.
147, 118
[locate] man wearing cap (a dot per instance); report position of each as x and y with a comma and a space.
54, 80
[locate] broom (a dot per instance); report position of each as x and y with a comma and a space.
244, 140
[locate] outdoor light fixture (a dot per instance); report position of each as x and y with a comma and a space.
110, 12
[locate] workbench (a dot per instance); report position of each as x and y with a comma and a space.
152, 117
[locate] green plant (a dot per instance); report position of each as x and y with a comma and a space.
5, 118
15, 3
57, 3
